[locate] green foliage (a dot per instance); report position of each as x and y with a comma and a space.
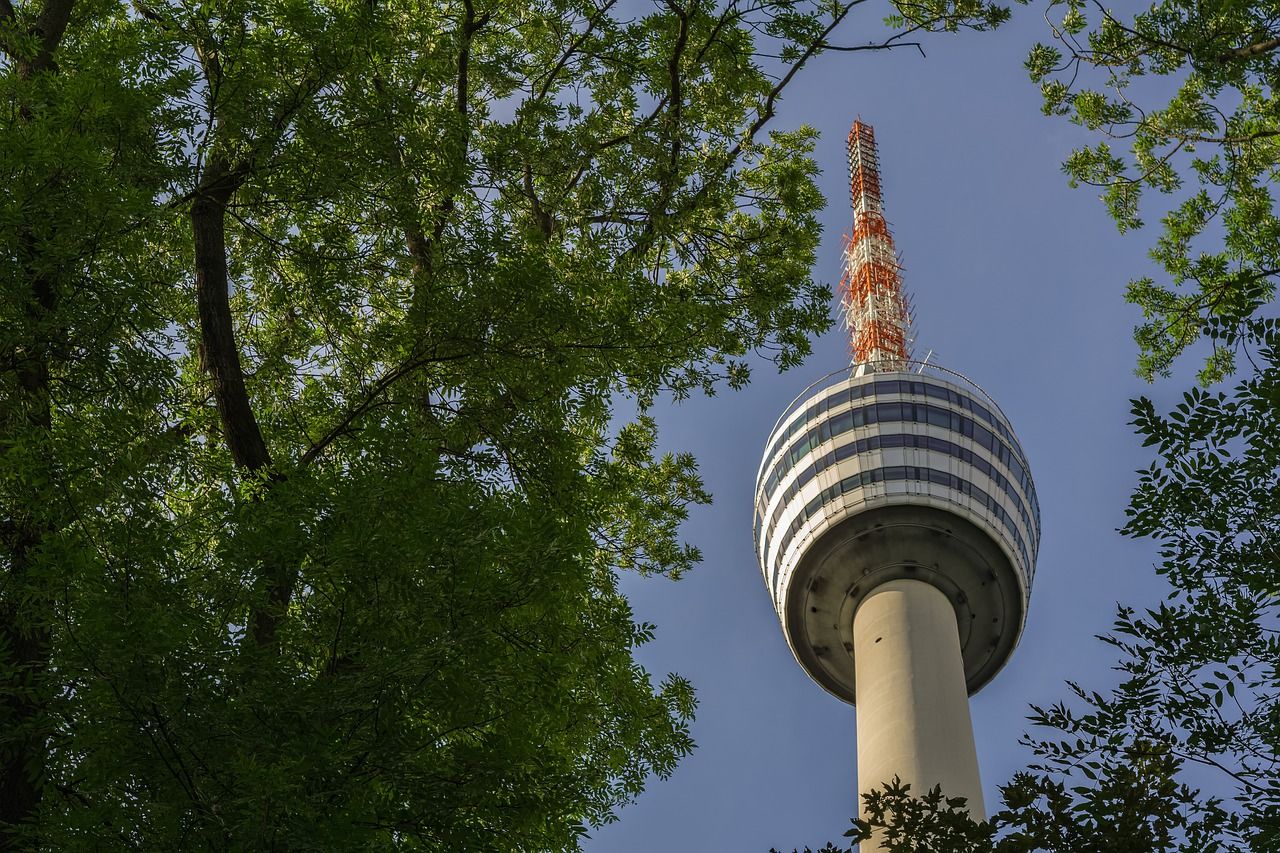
903, 823
1186, 89
1201, 669
314, 318
1189, 89
1130, 802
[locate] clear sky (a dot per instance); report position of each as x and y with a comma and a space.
1018, 283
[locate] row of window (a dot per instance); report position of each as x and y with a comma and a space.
857, 481
877, 442
891, 412
891, 386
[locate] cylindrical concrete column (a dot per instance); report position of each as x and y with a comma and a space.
913, 709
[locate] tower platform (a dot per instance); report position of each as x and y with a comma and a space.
871, 477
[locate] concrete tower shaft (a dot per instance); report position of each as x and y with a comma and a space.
917, 728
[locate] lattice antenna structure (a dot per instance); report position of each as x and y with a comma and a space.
876, 308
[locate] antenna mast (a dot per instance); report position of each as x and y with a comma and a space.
876, 308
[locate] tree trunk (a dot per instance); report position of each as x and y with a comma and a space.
221, 358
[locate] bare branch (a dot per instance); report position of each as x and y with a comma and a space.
1250, 50
771, 100
887, 45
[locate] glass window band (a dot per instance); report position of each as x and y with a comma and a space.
903, 472
893, 386
896, 412
878, 442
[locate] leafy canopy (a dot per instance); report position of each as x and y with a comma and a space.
314, 320
1181, 96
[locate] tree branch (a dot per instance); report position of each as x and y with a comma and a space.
1250, 50
220, 355
422, 248
569, 52
219, 350
50, 26
25, 641
771, 100
766, 113
677, 92
378, 388
885, 45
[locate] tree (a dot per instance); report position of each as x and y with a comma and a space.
315, 316
1211, 147
1183, 754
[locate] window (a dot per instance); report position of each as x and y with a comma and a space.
888, 411
938, 417
842, 422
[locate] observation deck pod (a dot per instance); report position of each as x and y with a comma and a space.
872, 475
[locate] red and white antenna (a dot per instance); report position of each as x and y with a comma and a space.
876, 309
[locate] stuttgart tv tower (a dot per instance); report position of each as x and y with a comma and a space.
897, 527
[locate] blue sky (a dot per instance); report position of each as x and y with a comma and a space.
1017, 281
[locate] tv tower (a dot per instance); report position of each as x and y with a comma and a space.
897, 527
